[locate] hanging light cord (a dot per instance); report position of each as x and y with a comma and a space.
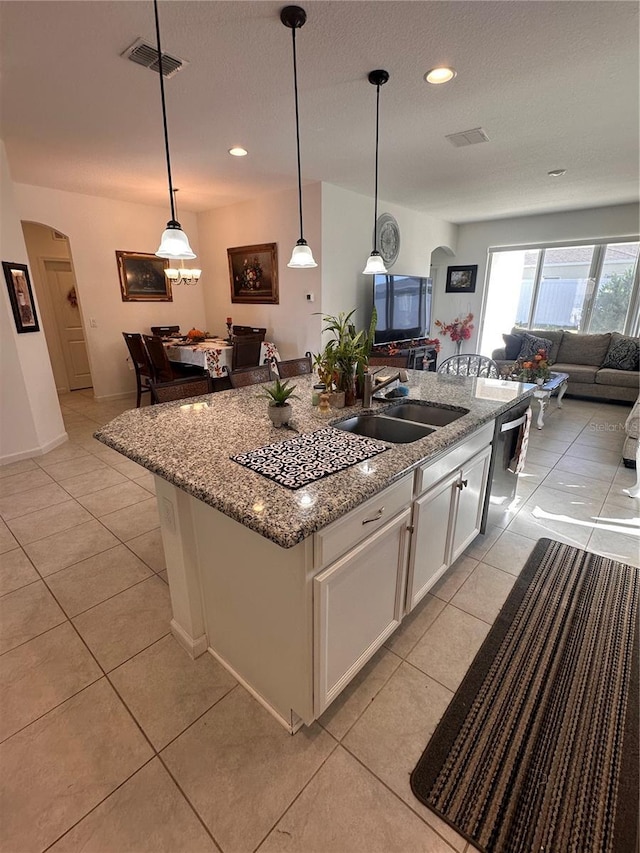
375, 204
164, 111
295, 92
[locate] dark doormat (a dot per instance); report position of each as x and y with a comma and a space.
538, 750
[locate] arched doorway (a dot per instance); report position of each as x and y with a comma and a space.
54, 279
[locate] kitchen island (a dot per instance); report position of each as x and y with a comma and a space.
294, 590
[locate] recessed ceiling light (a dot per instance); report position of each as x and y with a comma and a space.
237, 151
557, 173
441, 74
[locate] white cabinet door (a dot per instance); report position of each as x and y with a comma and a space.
432, 514
358, 603
470, 491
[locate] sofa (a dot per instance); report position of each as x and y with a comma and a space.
602, 366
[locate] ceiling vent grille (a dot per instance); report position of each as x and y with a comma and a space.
146, 55
467, 137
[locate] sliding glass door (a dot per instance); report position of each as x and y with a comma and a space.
592, 288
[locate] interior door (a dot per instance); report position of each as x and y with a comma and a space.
61, 284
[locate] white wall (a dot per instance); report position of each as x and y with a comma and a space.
30, 419
271, 218
347, 232
476, 238
96, 228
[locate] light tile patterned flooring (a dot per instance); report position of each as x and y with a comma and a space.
112, 739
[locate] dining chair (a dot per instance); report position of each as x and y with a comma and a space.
141, 364
389, 360
162, 368
246, 351
472, 364
249, 330
294, 367
178, 389
250, 376
166, 331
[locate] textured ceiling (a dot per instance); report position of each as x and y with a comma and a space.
553, 84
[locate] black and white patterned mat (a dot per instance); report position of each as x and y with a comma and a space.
299, 461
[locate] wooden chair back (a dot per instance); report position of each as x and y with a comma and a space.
166, 331
250, 376
246, 351
159, 359
165, 392
472, 364
294, 367
249, 330
141, 363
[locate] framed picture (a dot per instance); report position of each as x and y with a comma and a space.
253, 271
142, 277
461, 279
21, 296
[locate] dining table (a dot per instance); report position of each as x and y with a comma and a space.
213, 354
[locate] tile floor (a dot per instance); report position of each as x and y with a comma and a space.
112, 739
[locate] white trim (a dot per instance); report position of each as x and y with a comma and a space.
559, 244
36, 451
196, 647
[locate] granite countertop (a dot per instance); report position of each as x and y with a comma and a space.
191, 449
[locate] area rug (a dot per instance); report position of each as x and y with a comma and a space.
538, 750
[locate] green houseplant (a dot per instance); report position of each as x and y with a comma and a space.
278, 395
344, 354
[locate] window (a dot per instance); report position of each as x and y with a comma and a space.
591, 288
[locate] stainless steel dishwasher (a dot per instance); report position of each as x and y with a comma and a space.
503, 476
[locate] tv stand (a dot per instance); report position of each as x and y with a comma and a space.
423, 352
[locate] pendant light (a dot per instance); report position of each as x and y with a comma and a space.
294, 17
181, 275
375, 264
174, 243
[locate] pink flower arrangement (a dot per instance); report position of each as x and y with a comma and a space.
458, 330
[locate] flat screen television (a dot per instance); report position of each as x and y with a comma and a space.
403, 303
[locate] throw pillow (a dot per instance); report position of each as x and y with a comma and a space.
512, 346
531, 344
623, 353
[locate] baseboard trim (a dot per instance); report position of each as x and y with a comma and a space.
194, 648
34, 451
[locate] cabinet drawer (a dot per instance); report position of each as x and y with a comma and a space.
432, 472
337, 538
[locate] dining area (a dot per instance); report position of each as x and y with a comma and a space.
169, 365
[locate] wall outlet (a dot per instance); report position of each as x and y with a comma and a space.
93, 323
310, 297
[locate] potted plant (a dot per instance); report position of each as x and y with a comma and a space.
278, 395
342, 353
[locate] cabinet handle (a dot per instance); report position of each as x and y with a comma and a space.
460, 485
375, 518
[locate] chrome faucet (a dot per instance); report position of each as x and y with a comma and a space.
368, 389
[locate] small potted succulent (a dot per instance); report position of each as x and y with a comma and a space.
278, 395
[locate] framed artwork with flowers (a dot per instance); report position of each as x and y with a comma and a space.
461, 279
253, 271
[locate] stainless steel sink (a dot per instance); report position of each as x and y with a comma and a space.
395, 430
424, 413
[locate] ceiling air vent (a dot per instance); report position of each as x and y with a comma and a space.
467, 137
146, 54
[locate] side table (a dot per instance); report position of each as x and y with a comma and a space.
558, 382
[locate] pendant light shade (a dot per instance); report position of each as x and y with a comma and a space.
294, 17
375, 264
174, 243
